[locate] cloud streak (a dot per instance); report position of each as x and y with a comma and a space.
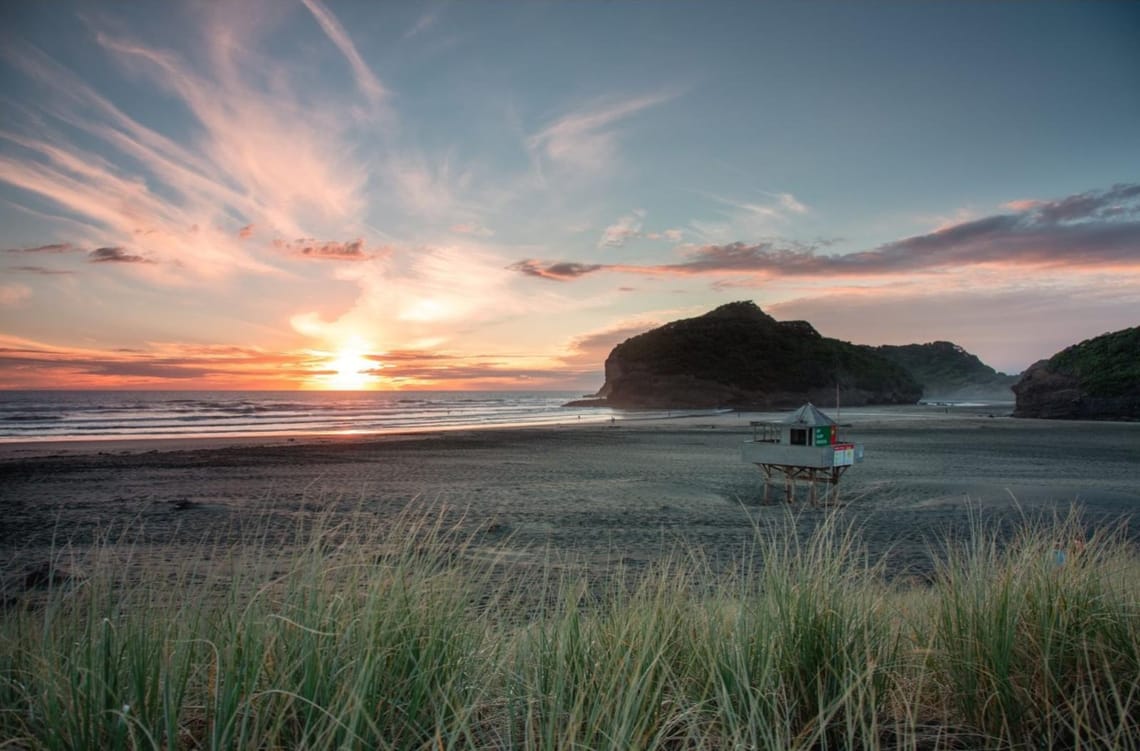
41, 270
52, 248
12, 295
115, 254
352, 250
25, 363
624, 229
366, 80
586, 140
629, 227
1096, 229
560, 272
120, 178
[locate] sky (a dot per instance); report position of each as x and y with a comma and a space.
492, 194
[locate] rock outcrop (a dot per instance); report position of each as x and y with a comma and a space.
947, 372
738, 356
1098, 379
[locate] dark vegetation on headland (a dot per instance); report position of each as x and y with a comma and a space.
948, 372
739, 356
1098, 379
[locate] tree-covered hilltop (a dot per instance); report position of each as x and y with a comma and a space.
737, 355
1108, 365
1097, 379
947, 371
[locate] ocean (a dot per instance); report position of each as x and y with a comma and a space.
95, 415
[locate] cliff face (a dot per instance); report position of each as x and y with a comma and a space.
739, 356
1098, 379
946, 372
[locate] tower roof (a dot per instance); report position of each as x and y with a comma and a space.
809, 416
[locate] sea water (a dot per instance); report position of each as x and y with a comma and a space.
70, 415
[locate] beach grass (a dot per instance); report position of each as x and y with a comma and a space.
347, 634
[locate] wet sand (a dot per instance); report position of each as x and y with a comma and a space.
602, 495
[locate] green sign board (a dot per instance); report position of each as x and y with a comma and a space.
822, 435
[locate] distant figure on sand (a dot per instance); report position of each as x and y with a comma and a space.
1061, 554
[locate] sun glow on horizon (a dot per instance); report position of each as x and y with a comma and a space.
351, 369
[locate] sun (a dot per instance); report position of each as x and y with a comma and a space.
352, 370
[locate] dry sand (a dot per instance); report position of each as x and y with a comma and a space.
602, 495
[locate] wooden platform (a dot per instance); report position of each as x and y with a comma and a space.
813, 476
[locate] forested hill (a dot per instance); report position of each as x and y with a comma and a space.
948, 372
737, 355
1097, 379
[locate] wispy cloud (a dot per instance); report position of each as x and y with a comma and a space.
422, 24
367, 81
26, 363
122, 178
427, 188
748, 217
1122, 200
586, 140
561, 271
466, 370
52, 248
116, 254
12, 295
249, 130
352, 250
671, 235
624, 229
1097, 229
781, 205
629, 227
425, 296
41, 270
790, 203
472, 228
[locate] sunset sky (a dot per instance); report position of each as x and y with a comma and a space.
320, 194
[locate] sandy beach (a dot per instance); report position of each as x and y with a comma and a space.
600, 495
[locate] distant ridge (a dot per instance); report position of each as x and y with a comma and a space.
948, 372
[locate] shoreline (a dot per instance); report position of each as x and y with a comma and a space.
653, 419
610, 496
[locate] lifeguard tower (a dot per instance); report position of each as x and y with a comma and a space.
804, 445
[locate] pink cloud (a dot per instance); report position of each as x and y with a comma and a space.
560, 272
624, 229
471, 228
115, 255
1094, 230
352, 250
235, 168
12, 295
26, 363
1021, 205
